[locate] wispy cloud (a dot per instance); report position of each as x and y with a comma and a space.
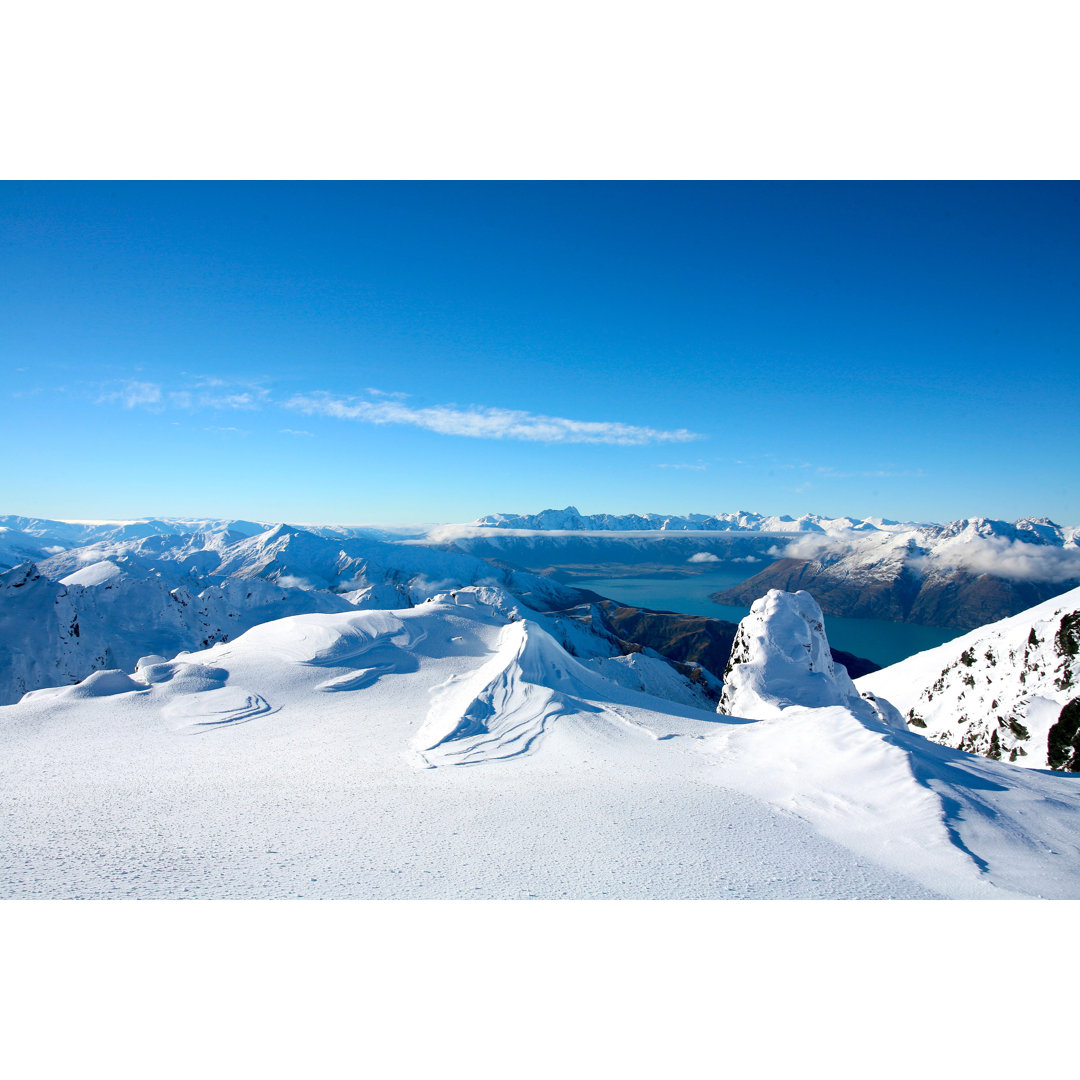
808, 546
198, 392
132, 394
479, 422
387, 407
889, 472
213, 392
823, 473
699, 466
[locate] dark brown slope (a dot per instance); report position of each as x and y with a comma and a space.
694, 638
956, 599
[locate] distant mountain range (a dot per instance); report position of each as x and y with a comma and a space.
961, 574
1029, 530
741, 521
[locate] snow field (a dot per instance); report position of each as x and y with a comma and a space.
320, 756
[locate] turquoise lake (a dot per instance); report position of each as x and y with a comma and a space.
873, 639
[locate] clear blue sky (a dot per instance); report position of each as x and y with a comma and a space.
432, 352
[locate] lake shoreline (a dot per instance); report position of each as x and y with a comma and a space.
878, 640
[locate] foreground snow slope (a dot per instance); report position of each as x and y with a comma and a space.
454, 749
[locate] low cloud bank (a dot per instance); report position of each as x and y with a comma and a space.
810, 546
1013, 560
291, 581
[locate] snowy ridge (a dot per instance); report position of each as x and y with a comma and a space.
500, 709
999, 690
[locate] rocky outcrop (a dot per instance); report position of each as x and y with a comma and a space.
781, 659
696, 638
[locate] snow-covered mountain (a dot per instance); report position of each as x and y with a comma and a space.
18, 547
1010, 691
961, 575
741, 521
54, 536
102, 604
321, 755
1026, 530
57, 631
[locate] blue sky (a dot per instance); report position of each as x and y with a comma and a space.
432, 352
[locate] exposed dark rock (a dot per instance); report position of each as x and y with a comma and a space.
1063, 741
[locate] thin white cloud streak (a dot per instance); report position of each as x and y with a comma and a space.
486, 423
390, 408
396, 395
202, 394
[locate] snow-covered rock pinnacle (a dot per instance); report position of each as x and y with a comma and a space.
780, 658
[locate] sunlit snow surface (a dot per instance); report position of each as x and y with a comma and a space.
446, 751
